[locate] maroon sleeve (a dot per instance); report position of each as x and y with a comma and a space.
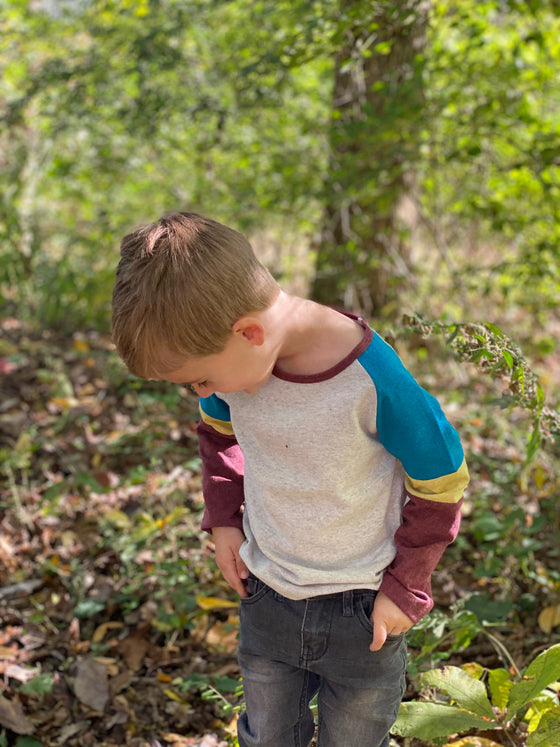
427, 528
222, 478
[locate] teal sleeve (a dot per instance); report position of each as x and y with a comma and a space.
410, 422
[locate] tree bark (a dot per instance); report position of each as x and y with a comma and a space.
377, 109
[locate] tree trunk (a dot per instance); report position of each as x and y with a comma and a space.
377, 110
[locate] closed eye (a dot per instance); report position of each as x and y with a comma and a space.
198, 385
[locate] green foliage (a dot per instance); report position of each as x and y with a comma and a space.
500, 358
39, 685
437, 636
113, 112
224, 691
135, 105
493, 142
499, 703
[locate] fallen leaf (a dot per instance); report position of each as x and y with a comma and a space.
211, 740
101, 631
121, 681
473, 742
21, 674
215, 603
13, 717
6, 652
173, 696
176, 740
231, 728
111, 665
163, 677
64, 403
81, 346
70, 730
133, 649
223, 636
90, 685
549, 618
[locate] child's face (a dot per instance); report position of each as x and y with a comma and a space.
240, 366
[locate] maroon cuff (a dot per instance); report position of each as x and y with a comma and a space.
427, 528
414, 603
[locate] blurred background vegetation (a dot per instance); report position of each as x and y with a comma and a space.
400, 158
386, 155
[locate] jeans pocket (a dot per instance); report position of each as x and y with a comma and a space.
364, 601
256, 590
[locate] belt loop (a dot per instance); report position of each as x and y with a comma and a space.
347, 603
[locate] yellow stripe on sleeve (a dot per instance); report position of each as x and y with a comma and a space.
222, 426
446, 489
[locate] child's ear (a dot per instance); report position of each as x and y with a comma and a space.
251, 329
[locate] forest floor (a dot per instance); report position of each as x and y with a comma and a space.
115, 625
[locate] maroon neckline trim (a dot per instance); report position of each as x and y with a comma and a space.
329, 373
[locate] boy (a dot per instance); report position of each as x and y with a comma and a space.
332, 481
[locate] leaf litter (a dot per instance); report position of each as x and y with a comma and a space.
115, 625
101, 557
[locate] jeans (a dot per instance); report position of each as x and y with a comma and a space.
291, 650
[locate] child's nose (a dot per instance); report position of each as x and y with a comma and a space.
203, 390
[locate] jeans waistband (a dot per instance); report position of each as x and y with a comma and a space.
346, 597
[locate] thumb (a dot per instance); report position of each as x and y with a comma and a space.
379, 636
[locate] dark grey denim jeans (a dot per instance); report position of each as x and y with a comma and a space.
291, 650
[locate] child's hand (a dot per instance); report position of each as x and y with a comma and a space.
388, 619
227, 541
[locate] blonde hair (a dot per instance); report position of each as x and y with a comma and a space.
182, 283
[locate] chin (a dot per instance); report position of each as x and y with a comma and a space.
253, 388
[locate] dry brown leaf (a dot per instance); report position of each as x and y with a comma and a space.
13, 717
121, 681
223, 635
90, 685
133, 650
70, 730
176, 740
101, 631
111, 665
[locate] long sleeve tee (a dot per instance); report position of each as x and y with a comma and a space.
352, 478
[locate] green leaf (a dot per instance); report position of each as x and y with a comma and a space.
226, 684
429, 720
500, 684
461, 687
27, 742
543, 703
493, 328
489, 610
541, 672
508, 357
383, 47
195, 681
88, 608
39, 685
533, 443
548, 732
